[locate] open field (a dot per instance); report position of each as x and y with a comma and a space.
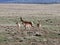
29, 9
49, 16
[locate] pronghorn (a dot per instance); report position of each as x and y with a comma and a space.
39, 24
18, 25
26, 24
39, 28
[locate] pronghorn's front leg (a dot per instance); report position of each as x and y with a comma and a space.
25, 26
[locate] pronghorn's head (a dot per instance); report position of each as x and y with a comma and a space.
16, 22
39, 23
21, 18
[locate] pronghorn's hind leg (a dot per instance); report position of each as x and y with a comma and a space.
27, 26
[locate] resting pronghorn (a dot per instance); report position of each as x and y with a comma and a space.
26, 24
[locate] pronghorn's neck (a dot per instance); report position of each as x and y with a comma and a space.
21, 19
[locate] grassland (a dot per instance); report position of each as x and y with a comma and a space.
49, 16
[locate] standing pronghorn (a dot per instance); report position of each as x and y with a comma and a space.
26, 24
18, 26
39, 28
39, 24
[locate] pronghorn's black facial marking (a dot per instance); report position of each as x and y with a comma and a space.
38, 25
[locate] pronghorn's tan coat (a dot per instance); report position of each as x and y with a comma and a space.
27, 24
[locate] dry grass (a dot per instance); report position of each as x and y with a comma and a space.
50, 21
29, 9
